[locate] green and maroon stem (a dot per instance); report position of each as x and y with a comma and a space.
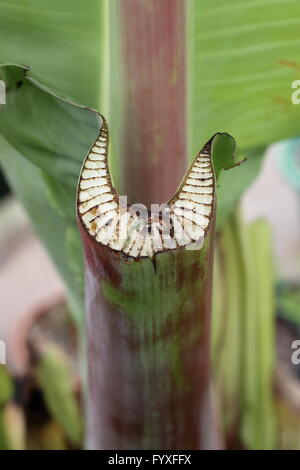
148, 325
148, 291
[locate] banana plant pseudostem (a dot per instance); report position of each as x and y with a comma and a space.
148, 299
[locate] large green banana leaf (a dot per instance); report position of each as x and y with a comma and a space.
243, 60
43, 141
61, 40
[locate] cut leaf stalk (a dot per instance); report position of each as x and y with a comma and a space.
148, 311
148, 337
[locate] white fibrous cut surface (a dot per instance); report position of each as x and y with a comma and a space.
181, 222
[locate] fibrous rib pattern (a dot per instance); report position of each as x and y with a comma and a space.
134, 230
